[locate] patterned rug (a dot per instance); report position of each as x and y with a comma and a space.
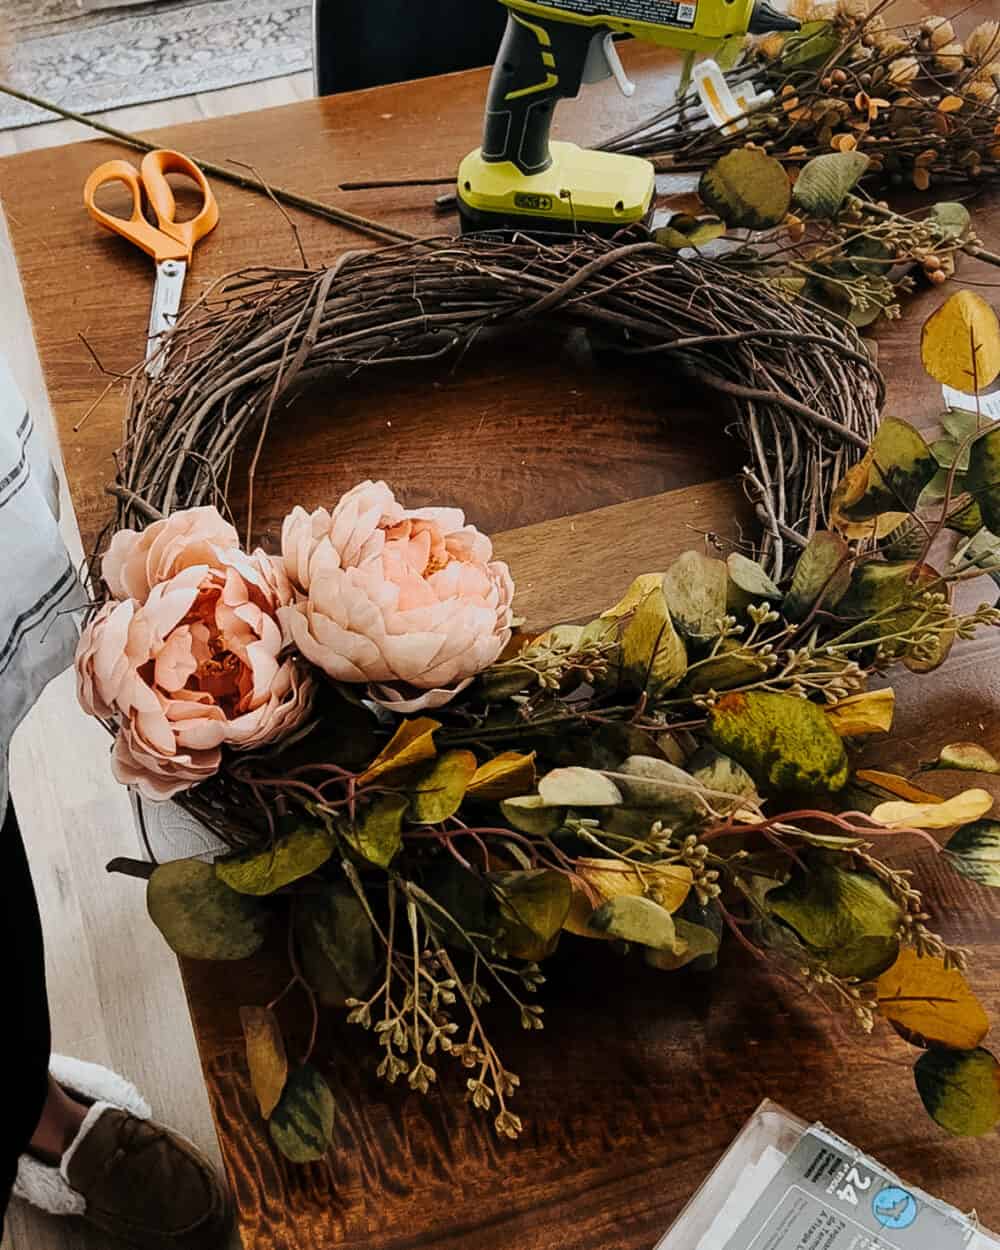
91, 61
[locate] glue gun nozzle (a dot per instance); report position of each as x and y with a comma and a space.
767, 18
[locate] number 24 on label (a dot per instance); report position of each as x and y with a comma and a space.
854, 1182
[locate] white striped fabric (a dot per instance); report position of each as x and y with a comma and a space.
40, 591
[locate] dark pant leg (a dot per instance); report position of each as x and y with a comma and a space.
26, 1006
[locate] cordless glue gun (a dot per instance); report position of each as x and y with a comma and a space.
518, 178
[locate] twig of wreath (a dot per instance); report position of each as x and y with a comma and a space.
806, 394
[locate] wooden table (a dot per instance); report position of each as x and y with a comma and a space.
640, 1080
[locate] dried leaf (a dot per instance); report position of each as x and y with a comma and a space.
296, 855
822, 572
643, 586
887, 593
867, 713
826, 181
695, 590
662, 791
302, 1123
898, 786
378, 834
967, 757
961, 343
974, 851
578, 787
748, 189
266, 1056
200, 916
503, 777
968, 806
951, 104
412, 743
847, 920
784, 742
961, 1090
653, 655
440, 787
930, 1004
611, 878
631, 918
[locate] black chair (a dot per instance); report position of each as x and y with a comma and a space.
371, 42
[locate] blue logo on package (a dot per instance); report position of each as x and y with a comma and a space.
894, 1207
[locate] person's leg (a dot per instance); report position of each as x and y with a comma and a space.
26, 1006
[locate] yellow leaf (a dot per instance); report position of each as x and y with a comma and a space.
412, 743
968, 806
868, 713
640, 588
929, 1004
266, 1056
503, 777
850, 490
669, 884
896, 785
961, 343
951, 104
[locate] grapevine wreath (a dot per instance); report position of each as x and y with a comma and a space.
426, 799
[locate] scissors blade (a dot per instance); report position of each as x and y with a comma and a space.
170, 275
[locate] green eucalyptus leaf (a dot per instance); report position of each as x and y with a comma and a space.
901, 466
693, 942
293, 856
983, 478
653, 654
301, 1125
200, 916
847, 920
891, 590
378, 833
439, 788
718, 772
869, 255
822, 573
578, 787
632, 918
826, 181
732, 665
534, 906
967, 757
784, 742
953, 220
748, 583
811, 46
960, 1089
695, 590
336, 943
529, 813
470, 908
974, 851
662, 791
748, 189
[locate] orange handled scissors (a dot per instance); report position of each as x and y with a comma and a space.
171, 243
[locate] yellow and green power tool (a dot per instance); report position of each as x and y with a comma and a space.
518, 178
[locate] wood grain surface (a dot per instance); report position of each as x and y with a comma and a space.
592, 474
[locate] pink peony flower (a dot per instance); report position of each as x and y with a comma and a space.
409, 601
192, 662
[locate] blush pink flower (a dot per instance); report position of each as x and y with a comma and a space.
411, 602
136, 562
192, 666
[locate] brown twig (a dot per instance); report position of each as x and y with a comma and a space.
340, 216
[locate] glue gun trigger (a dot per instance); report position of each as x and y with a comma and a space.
604, 62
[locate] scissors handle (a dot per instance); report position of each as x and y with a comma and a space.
153, 171
136, 229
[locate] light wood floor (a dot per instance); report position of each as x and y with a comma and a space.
114, 989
